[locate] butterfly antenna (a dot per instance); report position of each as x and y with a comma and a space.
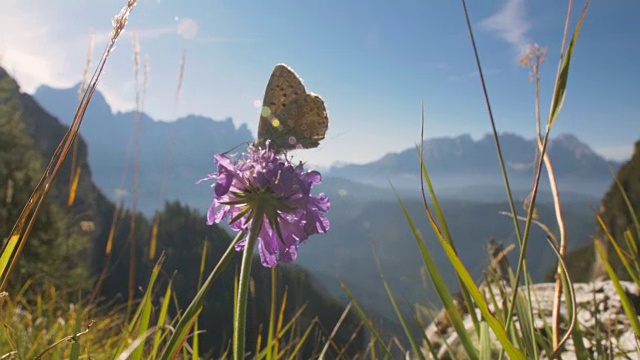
247, 143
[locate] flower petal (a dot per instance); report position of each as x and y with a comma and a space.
296, 214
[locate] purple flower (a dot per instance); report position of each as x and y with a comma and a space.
263, 183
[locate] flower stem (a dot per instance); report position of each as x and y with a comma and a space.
181, 331
243, 286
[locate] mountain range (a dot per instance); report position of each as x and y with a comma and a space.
456, 163
192, 141
174, 155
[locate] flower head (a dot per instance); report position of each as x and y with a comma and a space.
264, 186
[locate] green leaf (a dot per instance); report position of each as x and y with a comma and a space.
485, 342
527, 329
272, 313
366, 321
440, 286
619, 251
446, 235
161, 318
405, 326
628, 306
301, 342
7, 251
145, 309
563, 77
475, 293
193, 310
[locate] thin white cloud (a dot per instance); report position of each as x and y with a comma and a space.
38, 47
27, 50
510, 24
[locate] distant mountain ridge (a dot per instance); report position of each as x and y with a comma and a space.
457, 164
193, 141
461, 162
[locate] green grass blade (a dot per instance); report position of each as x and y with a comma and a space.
436, 204
444, 230
485, 342
629, 308
280, 334
441, 287
289, 325
161, 318
188, 318
195, 348
75, 346
563, 77
597, 338
203, 263
494, 302
481, 303
631, 244
7, 251
135, 345
423, 334
405, 326
125, 341
272, 313
576, 334
301, 342
627, 202
335, 331
145, 308
366, 321
619, 251
570, 298
527, 329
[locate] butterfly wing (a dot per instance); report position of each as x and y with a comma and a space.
305, 122
283, 87
290, 117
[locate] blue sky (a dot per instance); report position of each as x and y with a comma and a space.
372, 61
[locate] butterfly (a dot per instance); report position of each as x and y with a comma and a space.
291, 118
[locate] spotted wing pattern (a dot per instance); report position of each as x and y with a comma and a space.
291, 118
